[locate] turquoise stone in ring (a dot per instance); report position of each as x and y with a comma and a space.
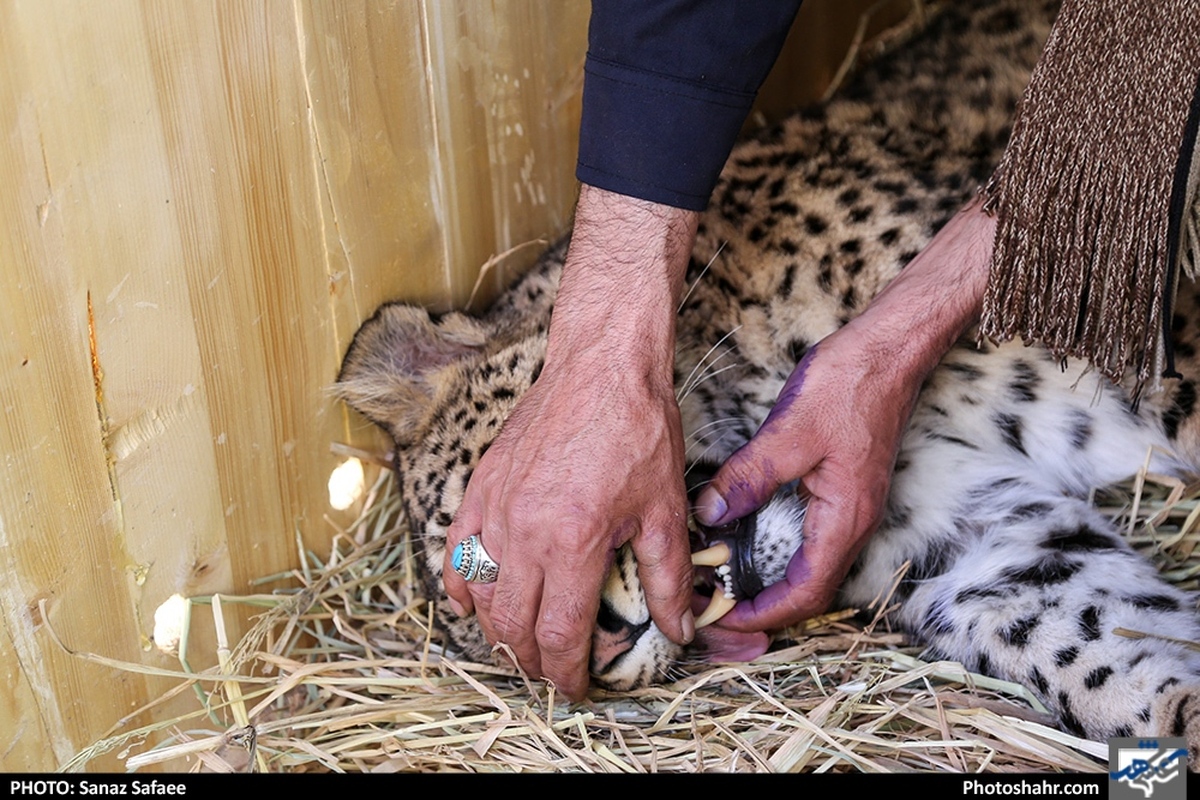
470, 560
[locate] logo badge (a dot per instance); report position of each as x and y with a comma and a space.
1139, 769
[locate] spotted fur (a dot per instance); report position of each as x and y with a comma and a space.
1011, 571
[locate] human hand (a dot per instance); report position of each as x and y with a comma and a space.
592, 456
839, 419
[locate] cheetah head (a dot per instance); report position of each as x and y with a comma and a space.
442, 387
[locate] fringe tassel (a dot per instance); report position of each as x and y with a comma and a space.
1084, 191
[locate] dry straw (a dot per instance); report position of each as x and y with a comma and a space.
345, 674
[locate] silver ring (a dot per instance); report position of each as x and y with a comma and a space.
470, 560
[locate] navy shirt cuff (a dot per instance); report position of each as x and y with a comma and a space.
628, 117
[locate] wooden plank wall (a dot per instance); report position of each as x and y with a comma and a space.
202, 201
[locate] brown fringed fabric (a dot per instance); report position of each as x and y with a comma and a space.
1092, 194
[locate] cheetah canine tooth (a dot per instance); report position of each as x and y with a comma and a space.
713, 556
721, 605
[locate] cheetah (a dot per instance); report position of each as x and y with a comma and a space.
1010, 570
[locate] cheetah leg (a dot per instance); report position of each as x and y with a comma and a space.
1043, 597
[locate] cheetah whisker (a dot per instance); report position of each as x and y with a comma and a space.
709, 374
699, 277
696, 459
713, 556
701, 365
721, 605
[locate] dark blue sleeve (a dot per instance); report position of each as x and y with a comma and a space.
667, 86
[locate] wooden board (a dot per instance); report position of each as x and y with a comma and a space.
203, 200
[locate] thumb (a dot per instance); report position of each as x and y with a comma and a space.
749, 478
770, 459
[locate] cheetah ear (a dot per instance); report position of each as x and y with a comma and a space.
389, 373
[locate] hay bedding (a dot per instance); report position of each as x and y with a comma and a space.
345, 674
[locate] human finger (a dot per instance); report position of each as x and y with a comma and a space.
507, 611
834, 533
467, 522
775, 455
665, 572
566, 621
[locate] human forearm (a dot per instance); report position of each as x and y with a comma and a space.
622, 282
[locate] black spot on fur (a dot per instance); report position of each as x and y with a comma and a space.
1089, 624
849, 197
894, 188
898, 516
788, 246
1080, 540
1048, 571
789, 278
785, 207
1010, 431
906, 205
1067, 716
1002, 20
851, 246
1123, 731
443, 519
815, 225
1081, 429
860, 214
1025, 381
1167, 684
1155, 602
1038, 680
976, 592
1096, 678
889, 237
1019, 632
984, 664
1179, 723
825, 279
1030, 511
965, 371
941, 437
1182, 408
1066, 657
503, 393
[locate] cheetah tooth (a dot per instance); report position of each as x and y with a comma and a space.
713, 556
721, 605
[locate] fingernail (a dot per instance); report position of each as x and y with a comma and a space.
688, 624
456, 607
710, 507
